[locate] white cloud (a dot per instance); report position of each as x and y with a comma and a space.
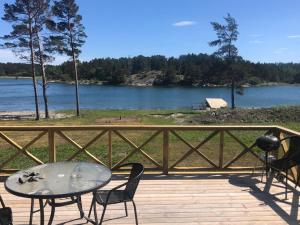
294, 36
256, 42
255, 35
7, 55
280, 50
59, 59
184, 23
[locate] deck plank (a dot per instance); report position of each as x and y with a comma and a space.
187, 199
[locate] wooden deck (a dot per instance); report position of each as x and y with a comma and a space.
188, 199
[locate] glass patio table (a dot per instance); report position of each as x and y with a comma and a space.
52, 181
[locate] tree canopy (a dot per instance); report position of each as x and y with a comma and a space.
191, 69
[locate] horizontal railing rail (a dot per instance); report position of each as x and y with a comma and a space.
163, 148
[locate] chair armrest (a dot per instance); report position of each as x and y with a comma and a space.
288, 137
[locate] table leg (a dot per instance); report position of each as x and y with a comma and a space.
42, 219
79, 204
93, 207
31, 211
52, 211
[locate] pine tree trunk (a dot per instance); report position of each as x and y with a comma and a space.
75, 73
32, 56
44, 79
76, 84
232, 94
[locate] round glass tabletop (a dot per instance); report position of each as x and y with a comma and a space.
58, 180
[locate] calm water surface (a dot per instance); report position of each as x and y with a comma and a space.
17, 95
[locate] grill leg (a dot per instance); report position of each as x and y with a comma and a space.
286, 183
267, 164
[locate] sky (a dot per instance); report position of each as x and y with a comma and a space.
269, 29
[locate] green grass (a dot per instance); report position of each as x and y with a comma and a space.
121, 149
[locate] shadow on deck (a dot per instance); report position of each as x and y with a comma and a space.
228, 198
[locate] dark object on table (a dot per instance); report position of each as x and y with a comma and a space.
5, 214
29, 177
289, 160
115, 195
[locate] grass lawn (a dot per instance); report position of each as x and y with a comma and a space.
121, 149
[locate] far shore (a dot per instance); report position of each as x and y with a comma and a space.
97, 82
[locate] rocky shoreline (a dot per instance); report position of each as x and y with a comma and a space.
29, 115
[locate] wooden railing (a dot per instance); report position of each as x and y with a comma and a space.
176, 145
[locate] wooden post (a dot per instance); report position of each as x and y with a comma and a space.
52, 147
221, 149
165, 151
110, 149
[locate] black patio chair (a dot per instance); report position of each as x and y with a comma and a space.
5, 214
290, 159
119, 195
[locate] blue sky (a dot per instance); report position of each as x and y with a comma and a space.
269, 29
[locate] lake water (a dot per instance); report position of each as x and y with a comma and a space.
17, 95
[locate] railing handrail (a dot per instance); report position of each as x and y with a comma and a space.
151, 127
165, 131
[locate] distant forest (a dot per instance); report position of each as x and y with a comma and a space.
191, 69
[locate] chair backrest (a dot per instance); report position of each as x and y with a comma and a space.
293, 153
136, 173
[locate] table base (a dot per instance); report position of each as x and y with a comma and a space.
53, 205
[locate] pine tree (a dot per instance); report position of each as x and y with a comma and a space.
227, 35
70, 35
21, 15
40, 39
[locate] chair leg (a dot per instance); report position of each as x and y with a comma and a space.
135, 213
126, 211
92, 204
102, 217
95, 212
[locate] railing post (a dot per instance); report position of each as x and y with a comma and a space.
166, 151
221, 149
51, 146
110, 149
